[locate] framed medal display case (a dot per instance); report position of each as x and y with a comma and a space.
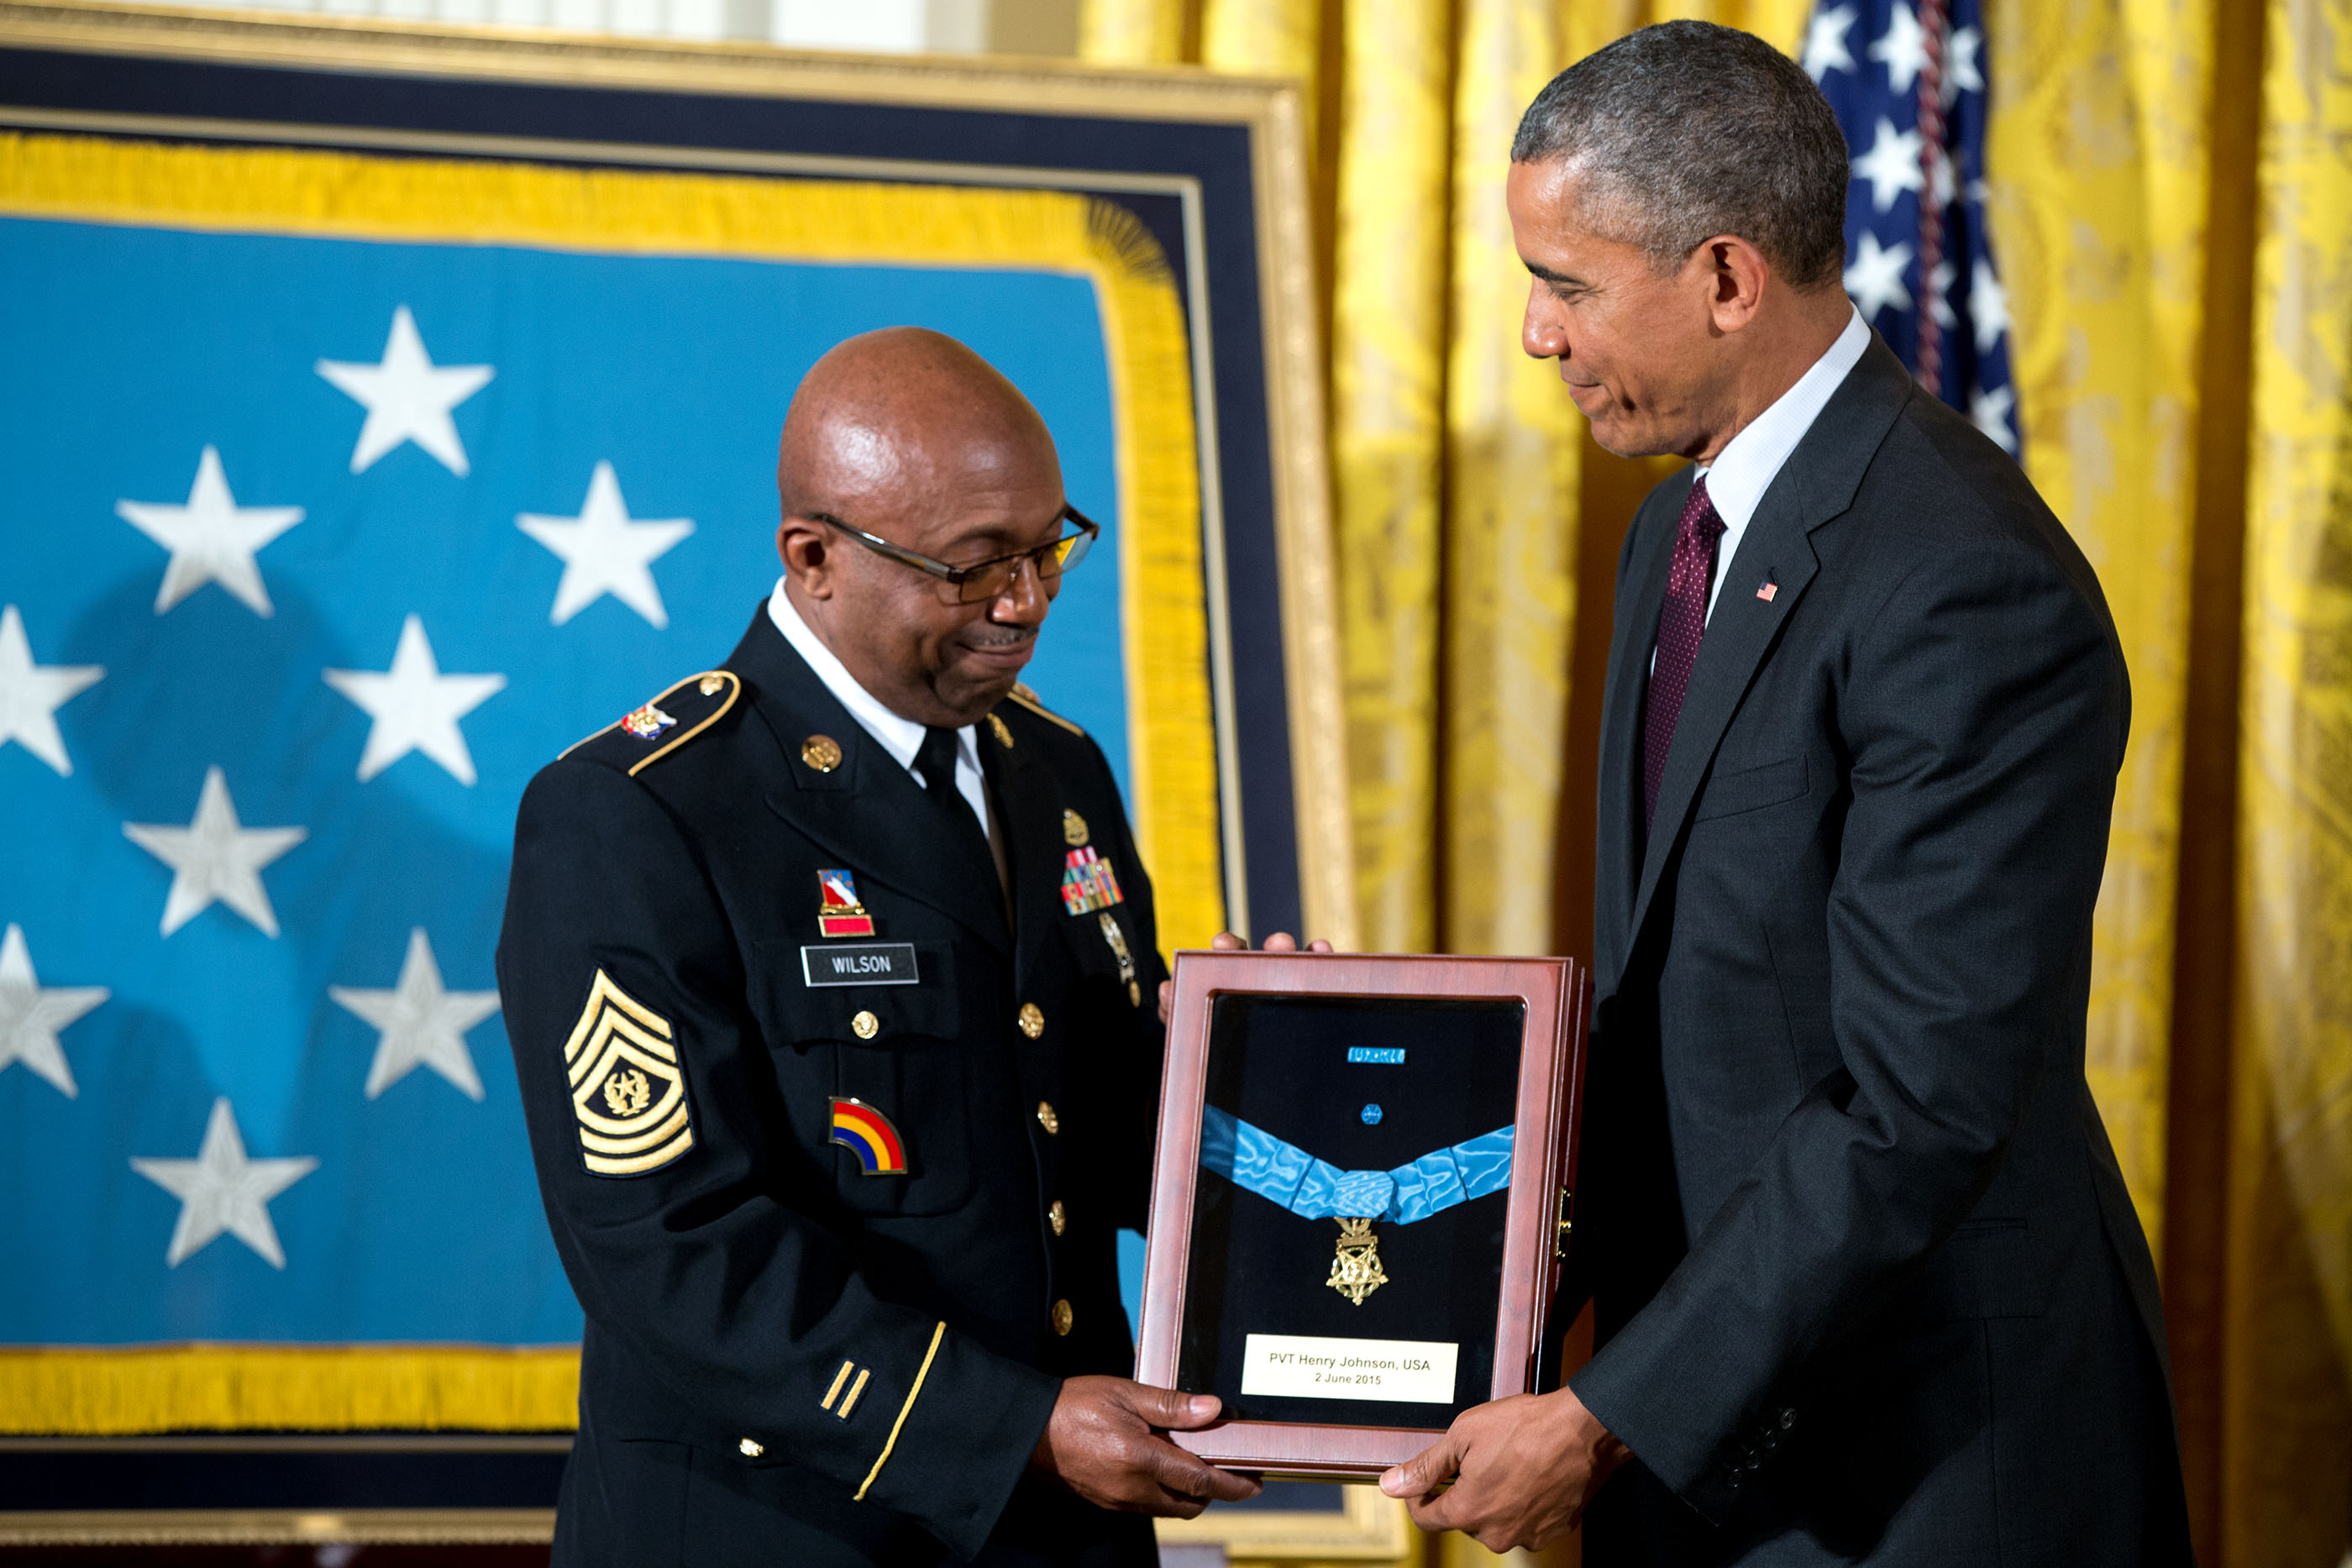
1360, 1198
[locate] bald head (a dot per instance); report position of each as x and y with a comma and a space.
904, 410
906, 434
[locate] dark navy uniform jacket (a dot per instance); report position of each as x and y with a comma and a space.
790, 1358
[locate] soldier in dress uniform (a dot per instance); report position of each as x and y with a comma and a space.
828, 973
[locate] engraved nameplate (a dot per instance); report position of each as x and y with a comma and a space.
1314, 1366
860, 964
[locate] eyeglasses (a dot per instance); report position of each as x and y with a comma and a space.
983, 580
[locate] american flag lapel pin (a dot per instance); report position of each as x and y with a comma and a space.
1768, 590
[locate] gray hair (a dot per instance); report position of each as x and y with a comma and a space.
1685, 131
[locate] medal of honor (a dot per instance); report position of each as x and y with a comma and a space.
1356, 1272
1280, 1172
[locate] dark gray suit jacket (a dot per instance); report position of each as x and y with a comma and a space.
1868, 1283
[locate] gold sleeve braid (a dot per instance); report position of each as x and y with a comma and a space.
892, 1441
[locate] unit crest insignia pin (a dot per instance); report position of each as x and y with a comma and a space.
1088, 884
838, 912
646, 722
1074, 829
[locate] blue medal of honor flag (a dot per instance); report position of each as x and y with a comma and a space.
360, 535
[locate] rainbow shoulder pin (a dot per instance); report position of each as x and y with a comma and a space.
867, 1133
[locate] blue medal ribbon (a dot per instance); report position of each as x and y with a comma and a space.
1250, 1156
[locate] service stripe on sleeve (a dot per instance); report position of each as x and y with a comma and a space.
892, 1441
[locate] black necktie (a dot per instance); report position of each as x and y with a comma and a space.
935, 760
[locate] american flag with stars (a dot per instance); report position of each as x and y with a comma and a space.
1909, 86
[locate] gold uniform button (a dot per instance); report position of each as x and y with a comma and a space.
1033, 1019
711, 685
752, 1448
1060, 1218
821, 752
1062, 1317
1047, 1117
866, 1026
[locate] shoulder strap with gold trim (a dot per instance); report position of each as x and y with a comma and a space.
1029, 699
712, 694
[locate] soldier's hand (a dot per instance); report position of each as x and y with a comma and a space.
1226, 942
1102, 1444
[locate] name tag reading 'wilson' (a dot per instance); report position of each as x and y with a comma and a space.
860, 964
1314, 1366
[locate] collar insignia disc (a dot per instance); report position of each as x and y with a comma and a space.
647, 722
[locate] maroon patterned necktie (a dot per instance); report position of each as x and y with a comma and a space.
1681, 625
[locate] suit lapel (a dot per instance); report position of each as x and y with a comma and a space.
1816, 484
868, 812
1618, 865
1737, 636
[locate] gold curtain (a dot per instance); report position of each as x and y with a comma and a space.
1134, 32
1512, 442
2096, 160
1388, 390
1461, 692
2287, 1425
2169, 185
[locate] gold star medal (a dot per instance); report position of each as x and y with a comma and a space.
1356, 1272
1360, 1198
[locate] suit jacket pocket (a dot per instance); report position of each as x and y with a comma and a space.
1751, 788
1985, 1269
897, 1050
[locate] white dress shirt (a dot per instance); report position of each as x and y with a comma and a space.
901, 737
1751, 460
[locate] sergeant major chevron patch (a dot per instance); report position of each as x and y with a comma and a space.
628, 1091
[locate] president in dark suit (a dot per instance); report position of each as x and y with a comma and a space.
829, 977
1868, 1285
